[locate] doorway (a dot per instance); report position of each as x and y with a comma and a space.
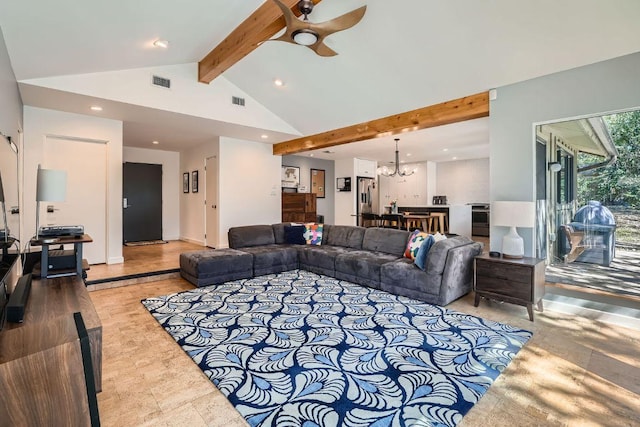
211, 202
142, 202
592, 202
85, 162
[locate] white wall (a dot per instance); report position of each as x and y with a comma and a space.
39, 123
10, 124
248, 187
192, 226
345, 201
186, 96
463, 181
171, 184
249, 182
585, 91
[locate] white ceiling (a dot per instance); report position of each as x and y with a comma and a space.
404, 54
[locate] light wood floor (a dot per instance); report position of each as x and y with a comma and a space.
573, 372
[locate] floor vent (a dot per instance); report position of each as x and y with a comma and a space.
161, 81
235, 100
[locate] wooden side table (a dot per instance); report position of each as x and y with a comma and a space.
516, 281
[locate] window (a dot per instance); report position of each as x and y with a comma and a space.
565, 181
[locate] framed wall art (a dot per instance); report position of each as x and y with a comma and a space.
290, 176
185, 182
194, 181
317, 182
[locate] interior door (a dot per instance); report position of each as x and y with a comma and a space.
211, 201
142, 202
86, 200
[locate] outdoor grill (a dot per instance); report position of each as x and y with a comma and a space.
598, 226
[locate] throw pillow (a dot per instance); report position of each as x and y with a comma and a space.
421, 257
437, 237
294, 234
313, 233
415, 240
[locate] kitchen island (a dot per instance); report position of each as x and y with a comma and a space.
459, 216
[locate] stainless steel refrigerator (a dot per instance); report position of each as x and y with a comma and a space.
367, 193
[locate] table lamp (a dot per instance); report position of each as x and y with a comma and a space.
51, 186
513, 214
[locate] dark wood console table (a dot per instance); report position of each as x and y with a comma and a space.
41, 356
516, 281
77, 242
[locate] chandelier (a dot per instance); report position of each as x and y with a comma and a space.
385, 171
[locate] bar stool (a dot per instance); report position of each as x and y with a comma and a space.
441, 222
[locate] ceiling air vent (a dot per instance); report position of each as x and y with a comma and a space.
235, 100
161, 81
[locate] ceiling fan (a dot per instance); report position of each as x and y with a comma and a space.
312, 35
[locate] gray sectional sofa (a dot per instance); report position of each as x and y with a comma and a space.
371, 257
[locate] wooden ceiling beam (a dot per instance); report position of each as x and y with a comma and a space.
266, 21
457, 110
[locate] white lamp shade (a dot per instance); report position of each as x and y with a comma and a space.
51, 185
513, 214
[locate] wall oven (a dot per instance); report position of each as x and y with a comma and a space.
480, 214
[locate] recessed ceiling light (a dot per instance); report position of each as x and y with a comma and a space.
278, 82
96, 108
264, 136
409, 154
161, 43
455, 158
155, 142
445, 149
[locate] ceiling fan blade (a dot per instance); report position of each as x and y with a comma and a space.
289, 17
322, 49
340, 23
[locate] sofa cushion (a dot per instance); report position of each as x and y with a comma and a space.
387, 240
323, 257
251, 235
270, 259
209, 267
294, 234
437, 257
363, 267
413, 245
313, 233
421, 256
344, 235
402, 274
278, 231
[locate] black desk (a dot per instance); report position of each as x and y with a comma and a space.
77, 249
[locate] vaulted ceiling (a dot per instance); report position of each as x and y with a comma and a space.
403, 55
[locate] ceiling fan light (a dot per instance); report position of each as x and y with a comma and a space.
305, 37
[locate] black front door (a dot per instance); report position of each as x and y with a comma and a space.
142, 193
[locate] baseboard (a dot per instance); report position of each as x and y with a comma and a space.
194, 241
115, 260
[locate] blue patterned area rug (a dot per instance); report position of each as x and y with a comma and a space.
301, 349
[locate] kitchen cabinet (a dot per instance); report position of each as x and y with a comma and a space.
407, 190
366, 168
